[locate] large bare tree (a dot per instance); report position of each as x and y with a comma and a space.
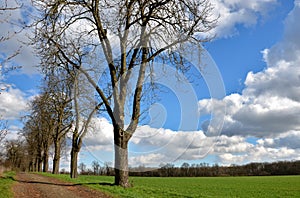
59, 103
113, 43
84, 109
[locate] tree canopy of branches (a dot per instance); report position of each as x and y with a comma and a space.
110, 40
6, 9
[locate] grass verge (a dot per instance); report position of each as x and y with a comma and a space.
277, 186
6, 181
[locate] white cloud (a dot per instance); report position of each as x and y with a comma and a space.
270, 103
237, 150
234, 144
151, 160
289, 139
268, 108
13, 103
239, 12
149, 146
100, 135
260, 154
152, 147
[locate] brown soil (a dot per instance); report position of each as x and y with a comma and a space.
37, 186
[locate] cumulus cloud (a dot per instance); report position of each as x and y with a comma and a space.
270, 103
268, 108
260, 154
12, 103
149, 145
238, 150
289, 140
239, 12
100, 135
173, 145
152, 147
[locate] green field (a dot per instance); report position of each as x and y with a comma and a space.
277, 186
6, 181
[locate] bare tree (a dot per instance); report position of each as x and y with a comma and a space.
59, 102
118, 38
49, 121
84, 109
33, 133
82, 168
15, 155
38, 131
96, 167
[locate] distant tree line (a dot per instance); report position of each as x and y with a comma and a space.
198, 170
205, 170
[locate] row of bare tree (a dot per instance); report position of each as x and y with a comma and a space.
111, 46
46, 126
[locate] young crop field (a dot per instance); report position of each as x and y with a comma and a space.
275, 186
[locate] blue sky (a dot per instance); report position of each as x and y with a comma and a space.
256, 52
240, 53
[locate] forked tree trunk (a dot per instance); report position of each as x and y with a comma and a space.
56, 159
121, 161
73, 165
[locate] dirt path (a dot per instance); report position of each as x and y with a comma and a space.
34, 186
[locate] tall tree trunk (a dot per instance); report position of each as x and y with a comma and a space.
56, 159
36, 165
121, 160
40, 164
30, 167
74, 159
39, 160
45, 162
